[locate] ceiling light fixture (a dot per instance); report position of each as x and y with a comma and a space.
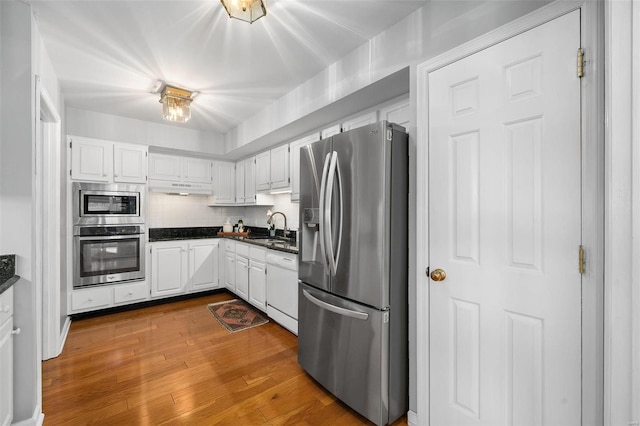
176, 104
245, 10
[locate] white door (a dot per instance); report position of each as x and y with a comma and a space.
242, 277
169, 268
279, 168
196, 170
263, 171
91, 159
505, 227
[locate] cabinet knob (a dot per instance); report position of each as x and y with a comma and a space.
16, 331
130, 293
89, 300
6, 309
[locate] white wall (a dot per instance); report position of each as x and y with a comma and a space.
176, 211
120, 129
18, 53
431, 30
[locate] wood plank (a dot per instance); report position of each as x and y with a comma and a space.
174, 364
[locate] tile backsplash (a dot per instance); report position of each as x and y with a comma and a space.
176, 211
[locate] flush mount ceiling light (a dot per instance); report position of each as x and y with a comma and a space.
245, 10
176, 104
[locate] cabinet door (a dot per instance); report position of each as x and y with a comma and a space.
196, 170
240, 182
294, 161
258, 285
263, 171
330, 131
129, 163
250, 180
169, 269
165, 167
280, 168
363, 120
6, 372
230, 271
91, 159
242, 277
203, 264
398, 113
224, 183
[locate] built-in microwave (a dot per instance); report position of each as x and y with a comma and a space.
107, 204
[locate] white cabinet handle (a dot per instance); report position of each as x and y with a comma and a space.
130, 293
89, 300
15, 331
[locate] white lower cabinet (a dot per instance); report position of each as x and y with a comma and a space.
130, 293
242, 276
258, 278
169, 269
230, 266
6, 357
178, 267
90, 299
203, 265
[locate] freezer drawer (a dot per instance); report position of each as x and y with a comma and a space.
345, 347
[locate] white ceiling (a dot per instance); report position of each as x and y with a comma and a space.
108, 55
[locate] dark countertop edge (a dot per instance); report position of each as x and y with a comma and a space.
240, 239
8, 283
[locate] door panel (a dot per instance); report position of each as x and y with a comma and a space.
505, 225
363, 165
345, 354
312, 266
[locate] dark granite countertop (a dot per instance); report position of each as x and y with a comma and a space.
257, 236
8, 275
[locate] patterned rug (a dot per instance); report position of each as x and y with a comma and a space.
236, 315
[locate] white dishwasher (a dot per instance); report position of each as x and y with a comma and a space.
282, 289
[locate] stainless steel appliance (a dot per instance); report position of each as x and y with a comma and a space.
96, 203
108, 254
352, 268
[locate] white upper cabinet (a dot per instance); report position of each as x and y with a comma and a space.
165, 167
330, 131
98, 160
196, 170
263, 171
223, 183
280, 180
272, 170
360, 121
250, 180
398, 113
172, 173
240, 182
129, 163
294, 163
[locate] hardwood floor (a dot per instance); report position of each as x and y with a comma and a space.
174, 364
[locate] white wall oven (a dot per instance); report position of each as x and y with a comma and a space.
113, 204
107, 254
108, 233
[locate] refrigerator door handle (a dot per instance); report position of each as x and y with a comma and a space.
335, 309
333, 170
321, 209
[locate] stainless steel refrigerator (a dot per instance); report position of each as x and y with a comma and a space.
352, 268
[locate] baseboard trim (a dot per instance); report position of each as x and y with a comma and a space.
412, 418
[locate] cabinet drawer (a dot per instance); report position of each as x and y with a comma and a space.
6, 304
242, 249
230, 246
257, 253
131, 292
91, 298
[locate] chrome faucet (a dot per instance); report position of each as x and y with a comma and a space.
286, 231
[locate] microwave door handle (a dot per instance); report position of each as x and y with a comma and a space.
335, 309
321, 196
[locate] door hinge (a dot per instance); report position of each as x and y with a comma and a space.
581, 260
580, 62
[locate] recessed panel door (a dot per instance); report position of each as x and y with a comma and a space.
505, 230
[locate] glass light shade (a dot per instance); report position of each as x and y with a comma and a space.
176, 104
245, 10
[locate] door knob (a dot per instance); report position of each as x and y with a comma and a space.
438, 275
